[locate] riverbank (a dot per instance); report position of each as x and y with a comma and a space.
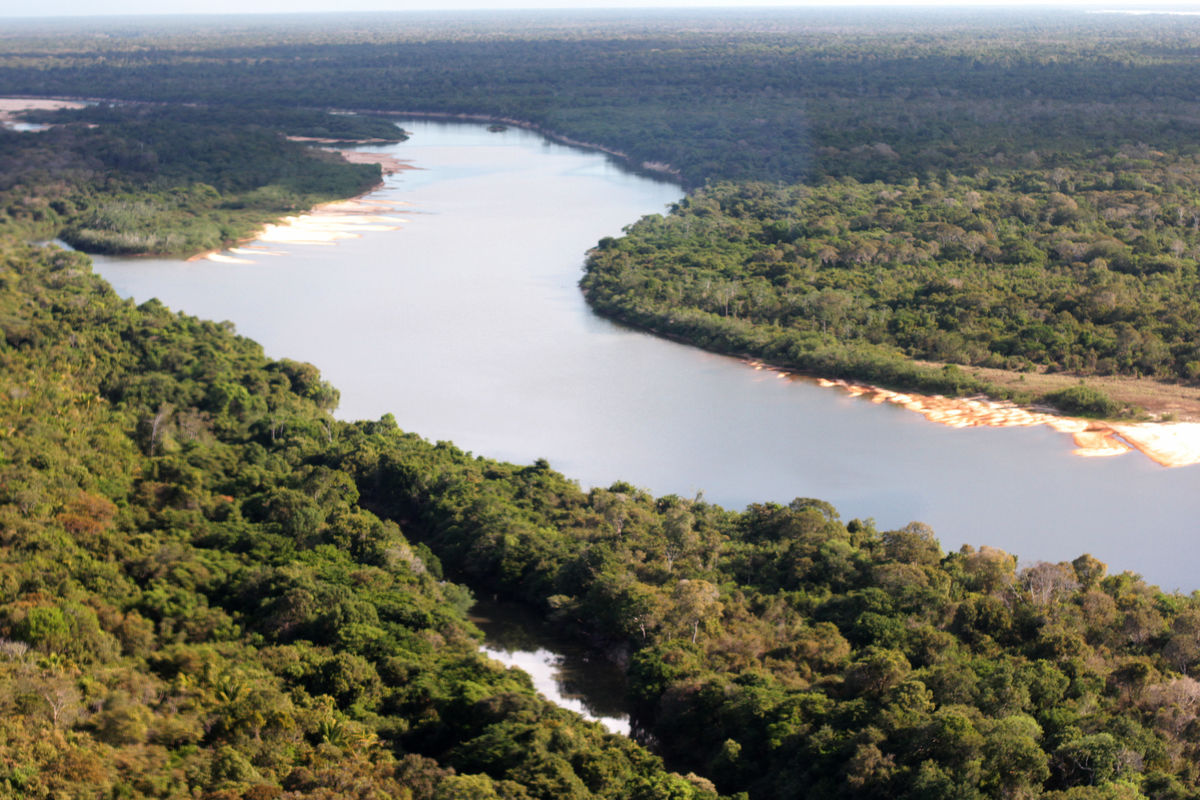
1160, 415
167, 204
1160, 400
325, 223
1169, 444
387, 162
564, 669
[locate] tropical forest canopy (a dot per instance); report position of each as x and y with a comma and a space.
194, 600
1088, 270
210, 587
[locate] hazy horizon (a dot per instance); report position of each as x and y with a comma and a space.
107, 8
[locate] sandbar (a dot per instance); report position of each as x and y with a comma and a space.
1170, 444
325, 224
387, 162
224, 259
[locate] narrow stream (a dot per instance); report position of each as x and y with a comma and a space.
566, 673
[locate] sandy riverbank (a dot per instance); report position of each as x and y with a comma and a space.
11, 107
1161, 400
326, 223
387, 162
323, 225
1171, 444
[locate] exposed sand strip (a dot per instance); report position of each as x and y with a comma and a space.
11, 107
387, 162
255, 251
224, 259
324, 225
1171, 444
1099, 443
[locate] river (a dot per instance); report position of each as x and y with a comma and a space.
466, 324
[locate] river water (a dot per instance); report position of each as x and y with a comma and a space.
567, 672
467, 325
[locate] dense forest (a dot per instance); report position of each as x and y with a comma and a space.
193, 602
724, 94
783, 652
173, 181
1089, 269
210, 587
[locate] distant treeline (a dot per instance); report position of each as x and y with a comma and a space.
787, 95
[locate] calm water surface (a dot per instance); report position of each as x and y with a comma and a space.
467, 325
566, 672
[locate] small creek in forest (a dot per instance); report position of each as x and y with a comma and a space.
565, 672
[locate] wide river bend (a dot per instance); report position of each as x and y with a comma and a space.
466, 324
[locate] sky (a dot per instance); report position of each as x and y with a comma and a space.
43, 8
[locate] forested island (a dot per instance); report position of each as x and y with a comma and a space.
209, 586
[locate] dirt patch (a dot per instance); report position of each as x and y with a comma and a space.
1161, 400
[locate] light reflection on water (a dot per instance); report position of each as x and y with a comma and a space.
566, 673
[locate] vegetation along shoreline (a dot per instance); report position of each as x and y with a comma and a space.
212, 588
1166, 401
